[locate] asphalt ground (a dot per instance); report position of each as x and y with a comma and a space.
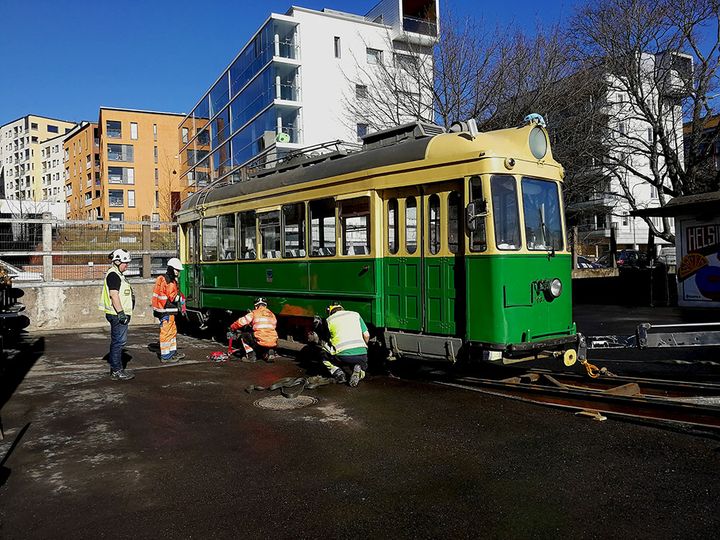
183, 451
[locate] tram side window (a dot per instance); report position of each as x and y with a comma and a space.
294, 230
191, 243
392, 227
209, 239
505, 212
454, 209
478, 239
541, 204
227, 237
411, 224
355, 223
322, 228
248, 235
434, 224
270, 234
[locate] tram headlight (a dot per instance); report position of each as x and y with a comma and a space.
555, 288
538, 142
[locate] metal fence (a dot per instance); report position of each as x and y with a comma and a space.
48, 249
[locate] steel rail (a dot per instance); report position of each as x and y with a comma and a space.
632, 405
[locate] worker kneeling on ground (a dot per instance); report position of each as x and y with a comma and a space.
167, 302
349, 337
262, 340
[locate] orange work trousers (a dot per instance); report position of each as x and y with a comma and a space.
168, 337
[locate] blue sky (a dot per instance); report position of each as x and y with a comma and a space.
65, 59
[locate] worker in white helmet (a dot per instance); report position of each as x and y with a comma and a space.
167, 302
117, 301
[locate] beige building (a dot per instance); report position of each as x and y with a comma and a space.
125, 167
21, 156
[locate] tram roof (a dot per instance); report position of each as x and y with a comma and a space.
462, 145
413, 150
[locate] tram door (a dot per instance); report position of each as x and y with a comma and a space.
423, 268
193, 257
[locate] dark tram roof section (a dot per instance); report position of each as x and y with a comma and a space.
700, 204
406, 151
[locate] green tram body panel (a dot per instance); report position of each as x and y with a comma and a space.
491, 299
505, 303
292, 288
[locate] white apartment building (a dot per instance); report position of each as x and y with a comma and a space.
630, 138
51, 169
21, 157
288, 87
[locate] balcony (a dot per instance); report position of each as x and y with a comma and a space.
420, 26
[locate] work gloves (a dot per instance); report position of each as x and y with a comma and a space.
123, 318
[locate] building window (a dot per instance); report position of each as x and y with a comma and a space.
623, 128
337, 46
625, 219
131, 198
34, 139
34, 126
113, 128
52, 129
185, 134
121, 152
653, 192
121, 175
155, 154
362, 130
133, 131
154, 132
157, 178
650, 134
374, 56
361, 91
116, 197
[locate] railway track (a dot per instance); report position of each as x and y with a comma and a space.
682, 403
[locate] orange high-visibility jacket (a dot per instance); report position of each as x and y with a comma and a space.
163, 293
263, 323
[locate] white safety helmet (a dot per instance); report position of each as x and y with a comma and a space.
120, 256
175, 263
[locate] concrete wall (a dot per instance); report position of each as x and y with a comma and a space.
66, 305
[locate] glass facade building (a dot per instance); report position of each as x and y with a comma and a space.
256, 97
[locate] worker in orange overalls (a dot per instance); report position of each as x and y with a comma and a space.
167, 301
261, 342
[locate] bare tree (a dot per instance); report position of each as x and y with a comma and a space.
659, 61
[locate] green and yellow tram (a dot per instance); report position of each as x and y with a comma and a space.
449, 245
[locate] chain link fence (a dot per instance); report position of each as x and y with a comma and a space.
48, 249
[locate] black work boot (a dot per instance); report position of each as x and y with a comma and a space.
122, 375
339, 376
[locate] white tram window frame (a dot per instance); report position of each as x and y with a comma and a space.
227, 245
323, 228
270, 234
411, 224
209, 239
293, 230
393, 226
247, 235
454, 223
434, 237
478, 237
542, 197
355, 226
506, 212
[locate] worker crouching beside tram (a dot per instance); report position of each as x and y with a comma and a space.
262, 340
167, 302
348, 345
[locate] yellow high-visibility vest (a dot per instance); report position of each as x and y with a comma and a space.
345, 331
126, 294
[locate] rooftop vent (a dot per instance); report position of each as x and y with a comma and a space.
388, 137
